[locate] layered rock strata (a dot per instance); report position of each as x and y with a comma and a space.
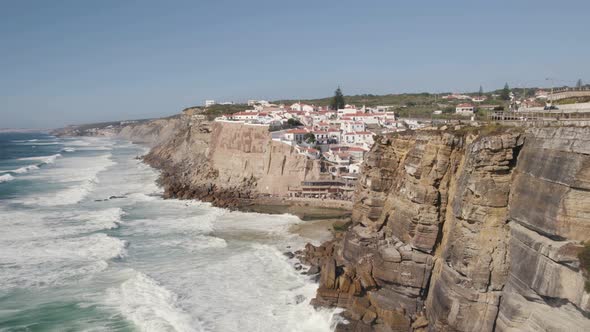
464, 231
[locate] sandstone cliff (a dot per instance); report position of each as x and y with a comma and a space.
463, 231
227, 163
153, 132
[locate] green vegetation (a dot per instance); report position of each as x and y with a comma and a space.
572, 100
338, 100
584, 257
309, 138
412, 105
341, 227
505, 94
294, 122
480, 92
214, 111
371, 100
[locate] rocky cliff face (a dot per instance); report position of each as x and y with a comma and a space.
153, 132
462, 231
148, 132
227, 163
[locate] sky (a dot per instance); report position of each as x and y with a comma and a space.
67, 62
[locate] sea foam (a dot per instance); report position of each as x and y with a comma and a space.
44, 159
150, 306
6, 178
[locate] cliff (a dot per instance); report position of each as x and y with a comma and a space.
228, 163
153, 132
148, 132
465, 231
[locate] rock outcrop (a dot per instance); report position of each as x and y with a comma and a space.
465, 231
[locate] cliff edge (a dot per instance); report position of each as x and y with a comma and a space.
465, 231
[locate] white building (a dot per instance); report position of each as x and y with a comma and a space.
352, 126
302, 107
209, 102
541, 94
253, 102
358, 138
295, 135
465, 109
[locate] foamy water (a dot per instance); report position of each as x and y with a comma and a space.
89, 245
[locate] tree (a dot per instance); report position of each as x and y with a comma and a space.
579, 84
338, 100
294, 122
309, 138
505, 94
480, 93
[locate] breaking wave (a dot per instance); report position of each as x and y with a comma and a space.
6, 178
44, 159
150, 306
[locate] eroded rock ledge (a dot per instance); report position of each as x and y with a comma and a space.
462, 231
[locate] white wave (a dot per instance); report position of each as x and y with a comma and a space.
196, 243
44, 159
42, 143
78, 175
22, 170
150, 306
79, 143
68, 149
103, 219
26, 169
56, 261
6, 178
26, 226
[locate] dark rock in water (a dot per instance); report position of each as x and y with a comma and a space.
314, 269
299, 299
298, 267
110, 197
289, 254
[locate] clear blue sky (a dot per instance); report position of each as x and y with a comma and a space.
75, 61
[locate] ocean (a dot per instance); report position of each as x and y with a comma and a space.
88, 244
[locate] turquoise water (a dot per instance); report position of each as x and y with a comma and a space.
87, 244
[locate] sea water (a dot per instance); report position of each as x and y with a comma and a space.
88, 244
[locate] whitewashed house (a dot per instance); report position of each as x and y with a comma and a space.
465, 109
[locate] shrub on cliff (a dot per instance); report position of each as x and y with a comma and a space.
584, 257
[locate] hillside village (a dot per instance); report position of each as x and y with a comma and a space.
338, 138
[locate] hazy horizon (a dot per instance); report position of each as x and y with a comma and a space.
70, 62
